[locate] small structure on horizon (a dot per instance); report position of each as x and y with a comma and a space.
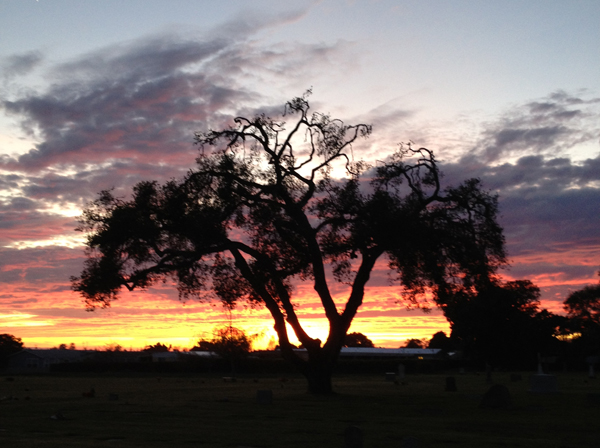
405, 353
40, 360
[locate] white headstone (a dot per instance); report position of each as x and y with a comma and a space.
543, 384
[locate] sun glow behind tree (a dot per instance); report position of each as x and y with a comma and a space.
257, 217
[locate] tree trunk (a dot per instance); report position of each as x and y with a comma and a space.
318, 374
316, 364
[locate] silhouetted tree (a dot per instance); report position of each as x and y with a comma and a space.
583, 314
441, 341
501, 324
9, 344
357, 340
583, 306
414, 343
156, 348
228, 342
71, 346
262, 211
203, 345
113, 347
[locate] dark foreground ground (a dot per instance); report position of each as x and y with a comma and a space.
192, 411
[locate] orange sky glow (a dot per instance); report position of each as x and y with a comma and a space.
142, 318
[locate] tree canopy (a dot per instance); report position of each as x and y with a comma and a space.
502, 324
227, 341
583, 306
414, 343
583, 318
441, 341
262, 211
9, 344
357, 340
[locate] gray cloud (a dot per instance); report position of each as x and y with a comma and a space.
20, 64
144, 100
126, 113
549, 199
16, 203
39, 266
31, 224
552, 125
20, 303
544, 202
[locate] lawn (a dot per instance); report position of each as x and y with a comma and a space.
188, 411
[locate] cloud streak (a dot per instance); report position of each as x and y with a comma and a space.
20, 65
543, 159
552, 125
124, 113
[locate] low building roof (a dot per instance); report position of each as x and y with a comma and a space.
399, 352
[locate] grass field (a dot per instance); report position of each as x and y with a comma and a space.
187, 411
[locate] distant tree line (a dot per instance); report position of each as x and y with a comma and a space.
504, 326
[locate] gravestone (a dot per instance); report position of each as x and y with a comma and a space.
450, 384
545, 361
497, 397
264, 396
113, 397
543, 384
515, 377
390, 376
58, 416
592, 361
353, 437
401, 371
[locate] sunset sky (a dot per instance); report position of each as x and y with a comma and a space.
103, 94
